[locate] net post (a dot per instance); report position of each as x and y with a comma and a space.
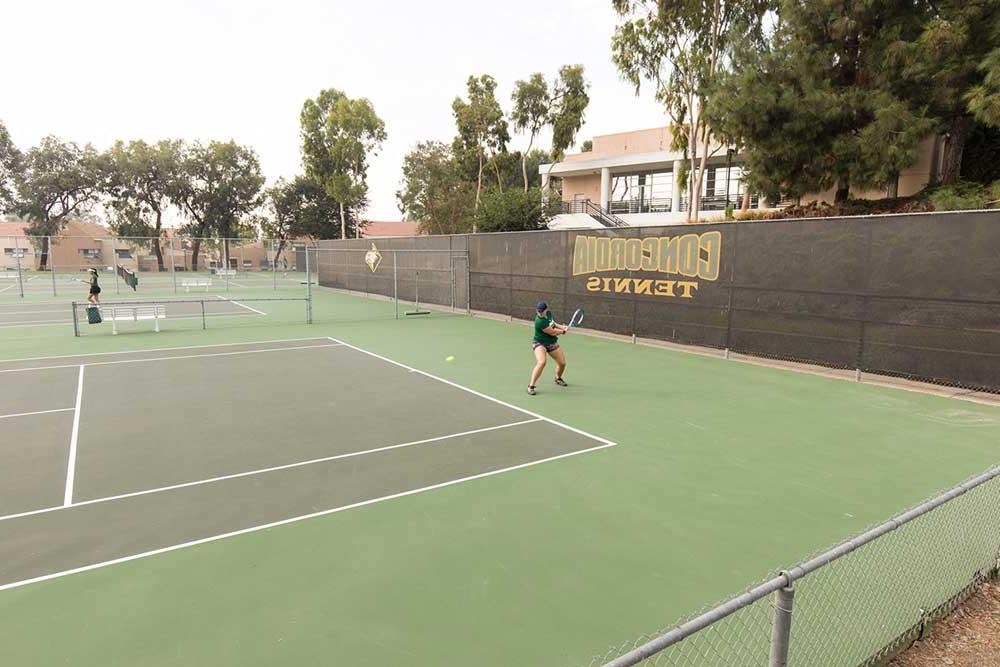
309, 290
395, 285
17, 256
52, 263
173, 269
782, 626
76, 320
274, 266
204, 324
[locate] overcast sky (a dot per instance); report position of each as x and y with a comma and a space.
212, 69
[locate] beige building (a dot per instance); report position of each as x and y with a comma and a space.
628, 178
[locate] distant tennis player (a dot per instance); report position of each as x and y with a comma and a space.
546, 342
94, 296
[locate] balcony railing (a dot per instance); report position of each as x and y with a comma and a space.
629, 206
719, 202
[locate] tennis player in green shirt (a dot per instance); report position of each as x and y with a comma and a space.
546, 342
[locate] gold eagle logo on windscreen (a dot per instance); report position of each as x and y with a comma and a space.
373, 258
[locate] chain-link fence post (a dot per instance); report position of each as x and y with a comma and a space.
395, 285
782, 626
114, 266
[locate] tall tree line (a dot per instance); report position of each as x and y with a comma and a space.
217, 188
477, 183
815, 95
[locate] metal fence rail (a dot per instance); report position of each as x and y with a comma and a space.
856, 603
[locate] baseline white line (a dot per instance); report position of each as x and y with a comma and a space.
295, 519
243, 305
179, 356
73, 438
37, 412
476, 393
165, 349
261, 471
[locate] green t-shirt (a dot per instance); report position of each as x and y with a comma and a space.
93, 280
542, 323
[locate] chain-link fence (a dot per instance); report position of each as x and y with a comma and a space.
40, 266
855, 604
412, 278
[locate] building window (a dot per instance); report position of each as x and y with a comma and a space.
642, 192
90, 253
123, 253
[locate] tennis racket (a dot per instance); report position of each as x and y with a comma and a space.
577, 318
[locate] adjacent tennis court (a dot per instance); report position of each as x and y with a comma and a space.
381, 505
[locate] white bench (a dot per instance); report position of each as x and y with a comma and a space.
133, 314
188, 283
225, 272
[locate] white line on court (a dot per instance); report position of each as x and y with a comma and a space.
274, 524
165, 349
180, 356
243, 305
476, 393
71, 464
261, 471
37, 412
61, 311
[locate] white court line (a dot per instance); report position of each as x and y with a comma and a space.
165, 349
180, 356
282, 522
61, 311
37, 412
476, 393
37, 323
71, 464
261, 471
243, 305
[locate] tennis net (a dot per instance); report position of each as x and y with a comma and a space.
116, 316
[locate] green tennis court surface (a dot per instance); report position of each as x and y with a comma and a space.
723, 472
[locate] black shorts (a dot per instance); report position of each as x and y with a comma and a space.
94, 289
551, 347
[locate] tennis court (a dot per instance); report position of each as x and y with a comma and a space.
83, 477
379, 507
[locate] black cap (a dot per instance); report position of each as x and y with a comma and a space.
541, 306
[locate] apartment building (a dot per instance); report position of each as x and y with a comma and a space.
628, 179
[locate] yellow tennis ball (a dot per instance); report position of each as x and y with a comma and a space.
449, 359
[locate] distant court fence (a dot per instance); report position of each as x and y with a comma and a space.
858, 603
55, 265
411, 277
